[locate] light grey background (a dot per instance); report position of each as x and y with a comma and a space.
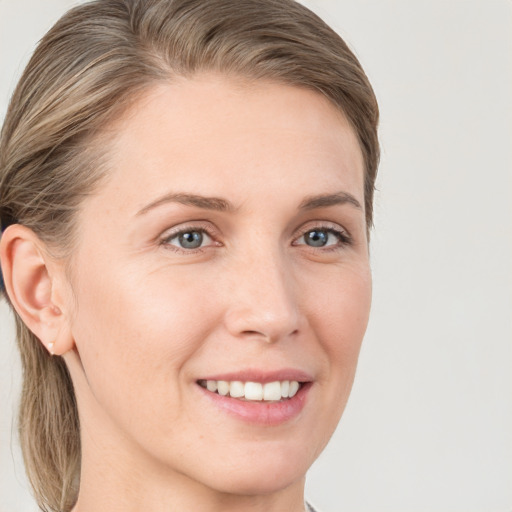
429, 423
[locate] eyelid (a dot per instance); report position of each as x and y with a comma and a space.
201, 226
336, 229
211, 231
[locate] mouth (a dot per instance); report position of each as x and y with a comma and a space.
275, 391
265, 399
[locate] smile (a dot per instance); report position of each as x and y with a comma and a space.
266, 398
253, 391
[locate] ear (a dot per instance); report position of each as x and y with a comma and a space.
35, 284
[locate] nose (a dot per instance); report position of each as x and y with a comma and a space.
262, 300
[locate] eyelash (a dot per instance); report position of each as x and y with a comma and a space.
344, 238
165, 240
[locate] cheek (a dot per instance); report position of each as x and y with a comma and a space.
342, 309
135, 341
339, 319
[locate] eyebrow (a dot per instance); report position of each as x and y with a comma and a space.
206, 203
222, 205
326, 200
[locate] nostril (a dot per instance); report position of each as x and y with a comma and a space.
269, 338
259, 334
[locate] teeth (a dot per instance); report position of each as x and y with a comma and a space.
272, 391
255, 391
294, 387
236, 389
222, 387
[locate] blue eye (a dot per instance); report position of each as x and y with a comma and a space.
316, 238
323, 237
189, 239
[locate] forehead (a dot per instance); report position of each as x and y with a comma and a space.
213, 134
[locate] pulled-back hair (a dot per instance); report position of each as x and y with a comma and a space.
96, 61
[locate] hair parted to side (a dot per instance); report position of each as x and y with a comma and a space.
84, 74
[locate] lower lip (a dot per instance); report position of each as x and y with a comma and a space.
261, 413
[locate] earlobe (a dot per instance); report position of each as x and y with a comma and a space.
30, 287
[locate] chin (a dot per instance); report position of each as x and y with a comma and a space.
251, 483
267, 473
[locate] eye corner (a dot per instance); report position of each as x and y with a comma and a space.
323, 234
175, 239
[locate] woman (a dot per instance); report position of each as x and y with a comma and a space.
186, 194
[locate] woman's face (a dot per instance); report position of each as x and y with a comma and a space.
228, 244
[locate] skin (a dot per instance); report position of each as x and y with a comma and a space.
140, 319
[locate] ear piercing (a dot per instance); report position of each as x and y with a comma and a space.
50, 347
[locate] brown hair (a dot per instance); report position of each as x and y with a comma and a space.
83, 75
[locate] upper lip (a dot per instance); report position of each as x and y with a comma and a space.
263, 376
